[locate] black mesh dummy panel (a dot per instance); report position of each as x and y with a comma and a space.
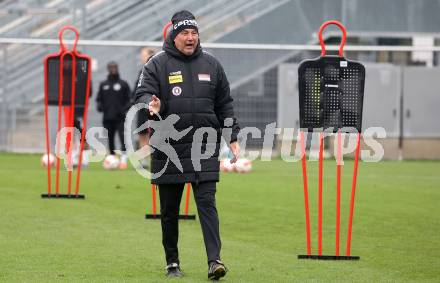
53, 77
331, 91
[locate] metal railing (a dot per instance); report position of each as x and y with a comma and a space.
255, 100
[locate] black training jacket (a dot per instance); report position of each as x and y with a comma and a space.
113, 98
196, 89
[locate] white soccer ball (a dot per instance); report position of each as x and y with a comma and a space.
111, 162
243, 165
226, 165
48, 162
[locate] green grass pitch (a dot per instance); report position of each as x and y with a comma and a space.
105, 237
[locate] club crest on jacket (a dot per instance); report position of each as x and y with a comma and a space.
177, 90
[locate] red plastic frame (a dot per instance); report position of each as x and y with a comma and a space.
165, 30
69, 111
344, 36
154, 197
338, 192
338, 170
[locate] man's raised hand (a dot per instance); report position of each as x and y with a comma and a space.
154, 105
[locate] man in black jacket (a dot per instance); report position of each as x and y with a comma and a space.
113, 100
185, 81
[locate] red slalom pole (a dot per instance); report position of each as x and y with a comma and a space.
71, 122
46, 124
69, 141
306, 194
338, 192
153, 199
353, 191
60, 98
321, 147
83, 134
188, 190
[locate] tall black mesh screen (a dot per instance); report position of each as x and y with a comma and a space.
331, 91
53, 77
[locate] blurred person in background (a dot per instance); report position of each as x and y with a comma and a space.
113, 100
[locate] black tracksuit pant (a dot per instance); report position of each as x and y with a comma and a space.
113, 127
204, 194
